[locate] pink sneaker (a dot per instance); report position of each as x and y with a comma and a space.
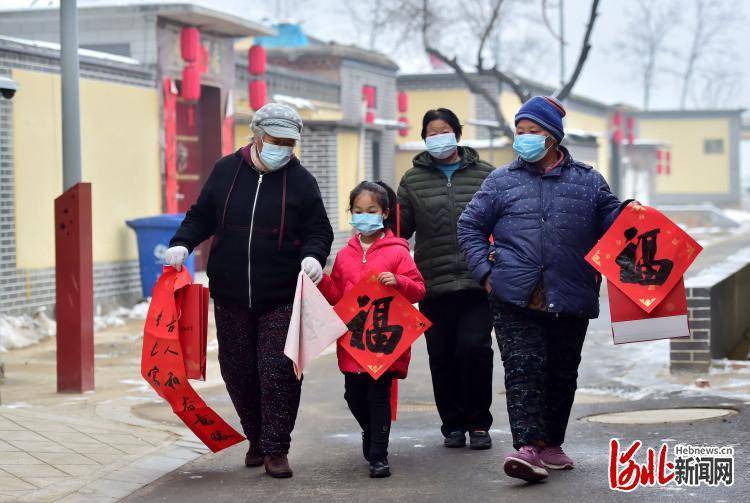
525, 464
554, 458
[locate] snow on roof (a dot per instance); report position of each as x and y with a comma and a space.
298, 103
645, 142
51, 46
583, 132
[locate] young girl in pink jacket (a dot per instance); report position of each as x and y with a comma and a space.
374, 247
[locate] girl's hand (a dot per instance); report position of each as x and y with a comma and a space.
387, 278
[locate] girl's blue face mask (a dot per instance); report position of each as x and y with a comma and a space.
367, 223
441, 146
530, 147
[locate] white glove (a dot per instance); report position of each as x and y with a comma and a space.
176, 256
312, 268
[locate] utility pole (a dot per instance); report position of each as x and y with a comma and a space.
71, 126
74, 275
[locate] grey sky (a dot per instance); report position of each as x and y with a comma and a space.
605, 76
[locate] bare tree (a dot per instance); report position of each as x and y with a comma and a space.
485, 18
381, 24
644, 43
467, 37
715, 87
708, 62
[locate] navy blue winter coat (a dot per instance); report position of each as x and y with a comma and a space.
543, 226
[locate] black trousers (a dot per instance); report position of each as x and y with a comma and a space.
459, 344
541, 354
259, 377
370, 403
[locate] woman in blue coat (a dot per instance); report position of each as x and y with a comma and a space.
545, 211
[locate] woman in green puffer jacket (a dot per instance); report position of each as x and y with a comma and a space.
433, 194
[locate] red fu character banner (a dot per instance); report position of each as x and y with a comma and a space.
381, 324
163, 358
644, 254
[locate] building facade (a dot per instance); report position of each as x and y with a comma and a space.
664, 157
146, 148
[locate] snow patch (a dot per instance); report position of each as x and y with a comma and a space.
117, 317
725, 365
17, 405
739, 216
23, 331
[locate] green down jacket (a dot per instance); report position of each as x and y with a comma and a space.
430, 207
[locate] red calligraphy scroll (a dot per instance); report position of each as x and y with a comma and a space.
163, 363
644, 254
381, 324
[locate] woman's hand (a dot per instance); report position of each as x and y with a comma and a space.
387, 278
487, 285
176, 256
313, 269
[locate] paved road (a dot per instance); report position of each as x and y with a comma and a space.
328, 464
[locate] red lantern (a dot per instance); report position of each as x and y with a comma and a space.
368, 95
257, 91
403, 102
658, 161
404, 129
669, 162
617, 121
191, 83
256, 60
190, 41
631, 130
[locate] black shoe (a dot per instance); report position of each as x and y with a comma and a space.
379, 469
277, 466
366, 445
479, 440
253, 457
455, 439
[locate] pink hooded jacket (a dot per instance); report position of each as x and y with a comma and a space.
388, 254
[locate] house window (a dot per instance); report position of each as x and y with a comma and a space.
713, 146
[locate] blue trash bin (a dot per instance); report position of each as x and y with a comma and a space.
153, 234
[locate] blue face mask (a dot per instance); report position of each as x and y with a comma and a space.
275, 157
367, 223
530, 147
441, 146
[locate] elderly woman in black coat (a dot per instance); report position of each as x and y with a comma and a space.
267, 217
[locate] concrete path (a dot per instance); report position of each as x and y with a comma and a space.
329, 467
89, 447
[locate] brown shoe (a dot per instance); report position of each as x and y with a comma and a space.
277, 466
253, 457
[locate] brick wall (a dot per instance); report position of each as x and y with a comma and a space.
693, 354
319, 156
23, 291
